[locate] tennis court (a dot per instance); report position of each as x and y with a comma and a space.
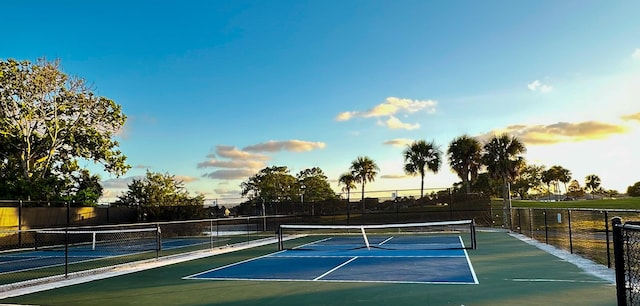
407, 259
57, 255
507, 271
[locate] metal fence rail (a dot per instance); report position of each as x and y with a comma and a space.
626, 244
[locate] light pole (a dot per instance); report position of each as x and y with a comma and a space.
302, 188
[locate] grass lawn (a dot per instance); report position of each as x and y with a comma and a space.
623, 203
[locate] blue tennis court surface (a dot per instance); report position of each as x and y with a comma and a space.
345, 260
28, 260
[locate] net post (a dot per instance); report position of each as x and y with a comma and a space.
618, 250
93, 241
366, 240
279, 234
158, 240
472, 225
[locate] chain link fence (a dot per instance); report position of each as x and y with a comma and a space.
54, 253
585, 232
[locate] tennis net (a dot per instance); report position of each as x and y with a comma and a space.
117, 240
428, 235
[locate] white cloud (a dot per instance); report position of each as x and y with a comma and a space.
636, 54
293, 145
391, 107
344, 116
395, 124
234, 163
232, 174
214, 163
185, 178
233, 153
120, 183
539, 86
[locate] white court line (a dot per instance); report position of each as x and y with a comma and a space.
336, 268
385, 241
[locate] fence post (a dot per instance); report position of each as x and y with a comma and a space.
20, 224
606, 231
570, 233
66, 243
546, 227
158, 240
530, 223
618, 251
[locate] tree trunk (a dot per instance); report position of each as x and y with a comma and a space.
362, 196
506, 206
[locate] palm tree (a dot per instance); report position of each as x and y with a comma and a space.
592, 182
559, 175
465, 158
364, 170
420, 155
503, 157
349, 182
547, 178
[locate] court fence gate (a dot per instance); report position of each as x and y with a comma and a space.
626, 245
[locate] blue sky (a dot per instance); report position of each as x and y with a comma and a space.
216, 90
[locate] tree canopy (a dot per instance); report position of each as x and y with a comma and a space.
364, 170
420, 157
465, 159
276, 184
503, 158
48, 122
634, 190
155, 192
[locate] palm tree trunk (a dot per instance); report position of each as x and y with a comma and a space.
348, 204
362, 198
467, 186
506, 205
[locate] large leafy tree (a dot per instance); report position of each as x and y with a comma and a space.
503, 158
271, 184
85, 189
49, 121
529, 177
465, 158
316, 185
634, 190
364, 170
420, 157
156, 192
